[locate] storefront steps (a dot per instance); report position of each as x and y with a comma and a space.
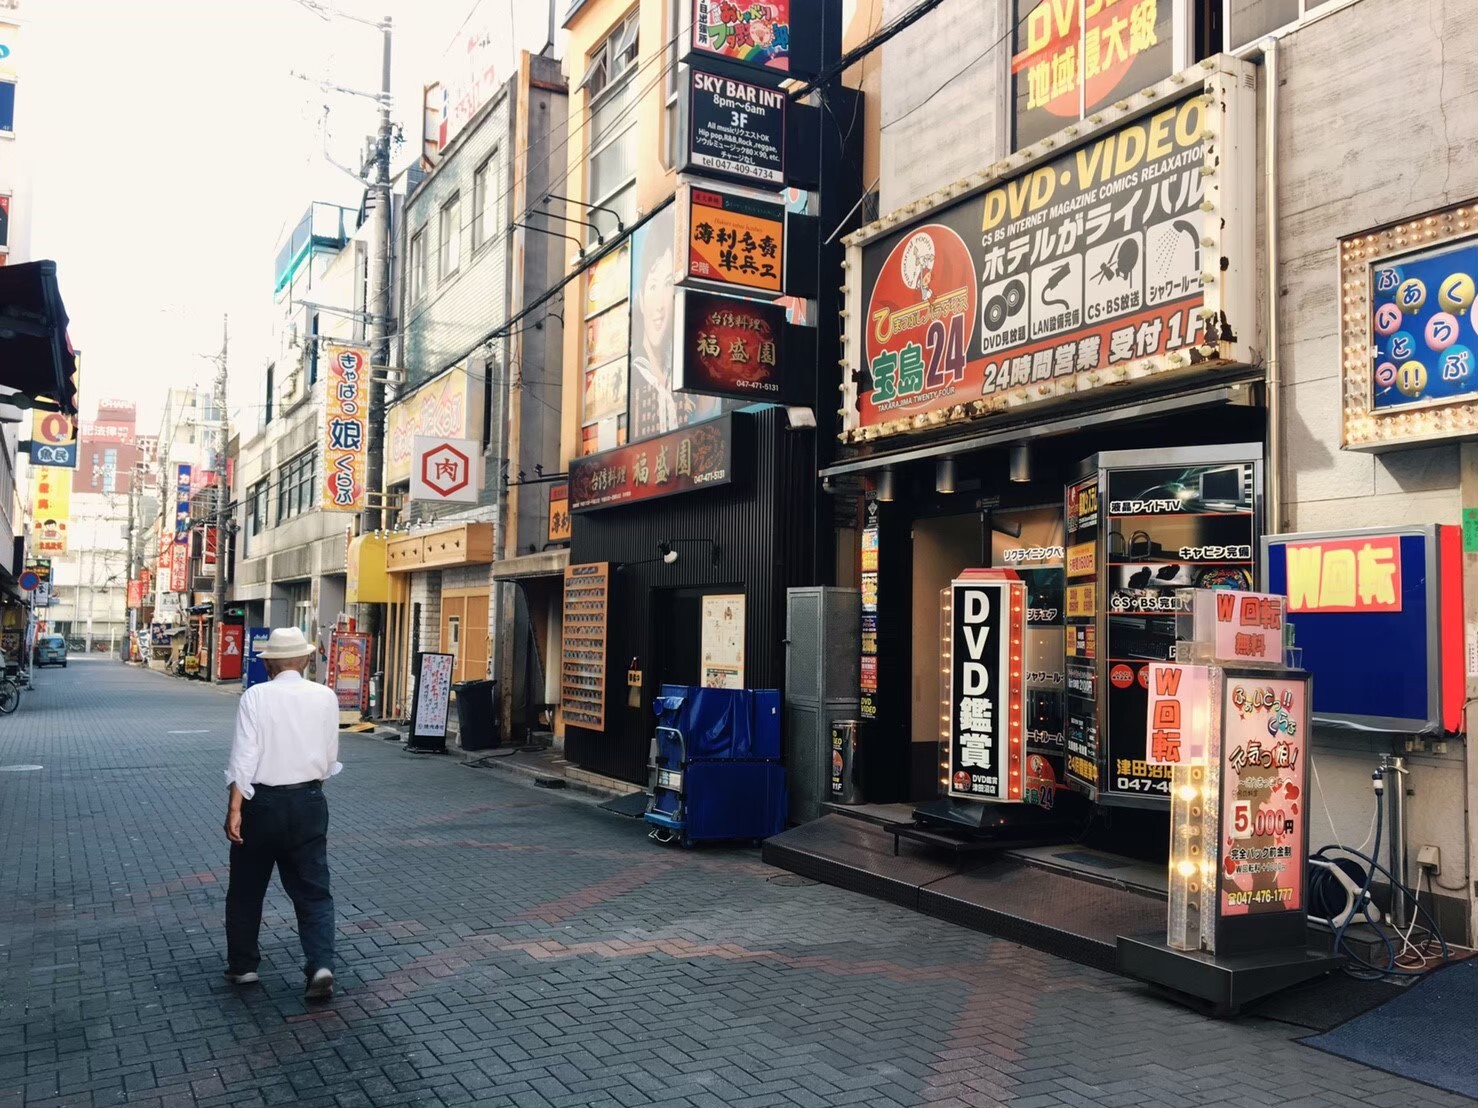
549, 768
1026, 896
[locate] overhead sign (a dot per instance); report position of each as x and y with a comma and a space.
51, 510
182, 504
448, 405
559, 513
1083, 269
9, 50
179, 567
729, 347
736, 129
1071, 57
41, 567
750, 32
53, 439
1344, 575
482, 57
679, 461
986, 749
732, 239
446, 471
346, 439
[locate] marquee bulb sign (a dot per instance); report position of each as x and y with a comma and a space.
983, 665
1105, 262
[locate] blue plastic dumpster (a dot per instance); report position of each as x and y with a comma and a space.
716, 769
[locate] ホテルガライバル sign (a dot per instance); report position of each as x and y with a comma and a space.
1117, 259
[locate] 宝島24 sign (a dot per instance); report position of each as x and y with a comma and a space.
345, 429
1083, 268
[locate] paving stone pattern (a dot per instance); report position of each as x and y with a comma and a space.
501, 945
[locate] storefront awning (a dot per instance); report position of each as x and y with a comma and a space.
551, 563
36, 359
1001, 434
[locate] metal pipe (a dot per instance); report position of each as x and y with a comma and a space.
1274, 375
1395, 769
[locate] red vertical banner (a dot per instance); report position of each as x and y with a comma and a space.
179, 567
229, 640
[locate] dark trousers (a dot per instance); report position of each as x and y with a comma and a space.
287, 828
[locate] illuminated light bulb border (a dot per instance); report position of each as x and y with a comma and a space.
1362, 426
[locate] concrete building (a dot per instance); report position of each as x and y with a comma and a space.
1313, 177
289, 568
470, 577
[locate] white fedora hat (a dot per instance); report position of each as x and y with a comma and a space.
285, 642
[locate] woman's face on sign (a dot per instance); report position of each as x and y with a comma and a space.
656, 296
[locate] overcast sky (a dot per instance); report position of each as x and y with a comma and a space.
172, 150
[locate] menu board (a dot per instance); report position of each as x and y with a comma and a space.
1080, 629
723, 641
433, 692
582, 688
1170, 528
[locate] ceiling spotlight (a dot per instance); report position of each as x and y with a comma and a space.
668, 552
885, 486
944, 475
1021, 464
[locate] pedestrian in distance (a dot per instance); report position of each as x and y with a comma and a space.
286, 746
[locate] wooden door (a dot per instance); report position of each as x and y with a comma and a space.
464, 632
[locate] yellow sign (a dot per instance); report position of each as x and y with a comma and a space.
346, 429
1080, 559
732, 239
51, 509
367, 581
559, 513
448, 406
1079, 601
9, 50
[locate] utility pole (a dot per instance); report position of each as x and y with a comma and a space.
218, 604
379, 300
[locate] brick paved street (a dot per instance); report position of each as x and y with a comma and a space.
501, 945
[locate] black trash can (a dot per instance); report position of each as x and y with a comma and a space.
477, 721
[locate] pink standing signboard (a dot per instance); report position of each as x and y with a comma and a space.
1263, 810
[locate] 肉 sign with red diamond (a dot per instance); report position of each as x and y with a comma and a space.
445, 471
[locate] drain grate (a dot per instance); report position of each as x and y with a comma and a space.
790, 880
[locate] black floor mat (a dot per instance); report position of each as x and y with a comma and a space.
632, 804
1324, 1003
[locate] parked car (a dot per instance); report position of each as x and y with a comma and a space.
51, 650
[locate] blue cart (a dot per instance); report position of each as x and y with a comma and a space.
716, 769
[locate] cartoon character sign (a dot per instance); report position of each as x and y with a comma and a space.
756, 33
920, 319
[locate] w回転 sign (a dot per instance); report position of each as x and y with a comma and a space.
1345, 575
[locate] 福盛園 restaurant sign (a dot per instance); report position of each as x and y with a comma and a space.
1060, 271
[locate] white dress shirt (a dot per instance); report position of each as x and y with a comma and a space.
287, 731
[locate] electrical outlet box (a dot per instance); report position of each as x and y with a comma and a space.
1429, 857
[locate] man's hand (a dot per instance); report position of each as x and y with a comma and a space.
233, 816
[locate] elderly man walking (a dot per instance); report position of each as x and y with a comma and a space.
286, 746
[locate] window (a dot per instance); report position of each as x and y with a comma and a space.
267, 408
295, 486
672, 111
483, 199
7, 107
1247, 21
312, 348
449, 238
418, 265
258, 508
110, 471
610, 87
